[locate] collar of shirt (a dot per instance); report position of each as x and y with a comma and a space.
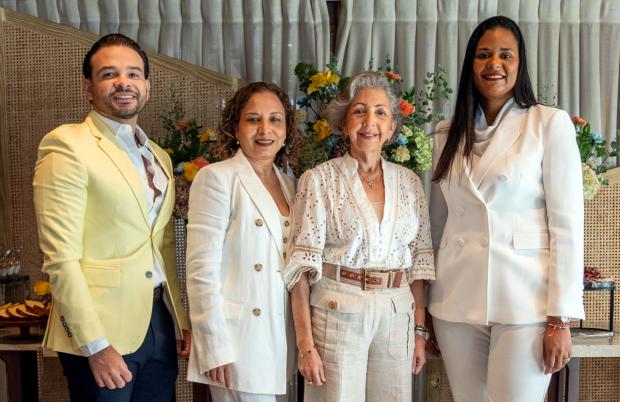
480, 120
124, 133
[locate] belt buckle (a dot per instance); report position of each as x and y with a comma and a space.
363, 279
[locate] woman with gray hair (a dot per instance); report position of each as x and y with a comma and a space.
359, 258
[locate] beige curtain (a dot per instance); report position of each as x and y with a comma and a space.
573, 46
251, 39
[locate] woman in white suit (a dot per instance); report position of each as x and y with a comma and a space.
507, 225
236, 234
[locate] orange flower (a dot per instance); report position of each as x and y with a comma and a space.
405, 107
579, 121
392, 75
181, 124
200, 162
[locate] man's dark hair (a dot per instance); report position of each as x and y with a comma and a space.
115, 39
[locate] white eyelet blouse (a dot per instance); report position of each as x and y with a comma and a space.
334, 222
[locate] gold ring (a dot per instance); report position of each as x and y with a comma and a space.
309, 382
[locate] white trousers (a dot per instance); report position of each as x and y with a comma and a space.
220, 394
365, 339
495, 363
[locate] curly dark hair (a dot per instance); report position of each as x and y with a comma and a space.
227, 144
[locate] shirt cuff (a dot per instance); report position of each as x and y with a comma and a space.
95, 346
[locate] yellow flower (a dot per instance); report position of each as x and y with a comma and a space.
401, 154
169, 151
321, 128
207, 134
41, 288
189, 171
321, 79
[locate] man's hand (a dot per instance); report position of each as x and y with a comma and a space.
183, 346
109, 369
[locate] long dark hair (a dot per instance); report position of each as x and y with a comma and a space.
461, 132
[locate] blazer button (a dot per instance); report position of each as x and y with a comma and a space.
460, 242
503, 177
258, 267
287, 224
333, 304
285, 240
148, 274
259, 222
256, 312
484, 242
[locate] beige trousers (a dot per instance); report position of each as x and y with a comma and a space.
365, 339
496, 363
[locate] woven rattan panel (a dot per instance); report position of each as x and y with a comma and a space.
600, 378
44, 91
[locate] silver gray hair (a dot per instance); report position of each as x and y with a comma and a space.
336, 110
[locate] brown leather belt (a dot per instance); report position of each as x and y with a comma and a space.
366, 278
158, 292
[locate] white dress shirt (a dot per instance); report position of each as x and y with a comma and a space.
142, 158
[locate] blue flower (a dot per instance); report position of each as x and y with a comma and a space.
402, 139
597, 138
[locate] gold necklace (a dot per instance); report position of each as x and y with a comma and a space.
369, 179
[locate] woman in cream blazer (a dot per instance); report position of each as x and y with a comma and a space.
237, 230
507, 226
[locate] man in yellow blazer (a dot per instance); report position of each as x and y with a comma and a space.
103, 196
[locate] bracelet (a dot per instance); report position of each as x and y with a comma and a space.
423, 334
558, 324
421, 328
552, 326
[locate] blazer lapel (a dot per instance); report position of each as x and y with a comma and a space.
261, 198
508, 131
113, 150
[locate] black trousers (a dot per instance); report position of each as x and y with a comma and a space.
153, 367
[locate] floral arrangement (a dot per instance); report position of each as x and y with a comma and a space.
190, 147
411, 147
594, 154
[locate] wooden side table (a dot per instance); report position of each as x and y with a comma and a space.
20, 357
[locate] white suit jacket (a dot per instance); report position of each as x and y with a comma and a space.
508, 236
237, 299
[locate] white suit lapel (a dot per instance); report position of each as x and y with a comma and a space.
261, 198
508, 131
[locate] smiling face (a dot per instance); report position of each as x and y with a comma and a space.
262, 127
496, 66
117, 88
369, 122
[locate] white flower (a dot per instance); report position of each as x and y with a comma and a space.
407, 131
401, 154
591, 184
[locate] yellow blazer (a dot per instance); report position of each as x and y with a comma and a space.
92, 220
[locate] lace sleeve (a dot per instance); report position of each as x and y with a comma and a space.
305, 252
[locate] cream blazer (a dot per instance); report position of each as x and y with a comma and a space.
235, 253
509, 234
97, 243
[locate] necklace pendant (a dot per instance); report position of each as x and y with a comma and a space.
369, 183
